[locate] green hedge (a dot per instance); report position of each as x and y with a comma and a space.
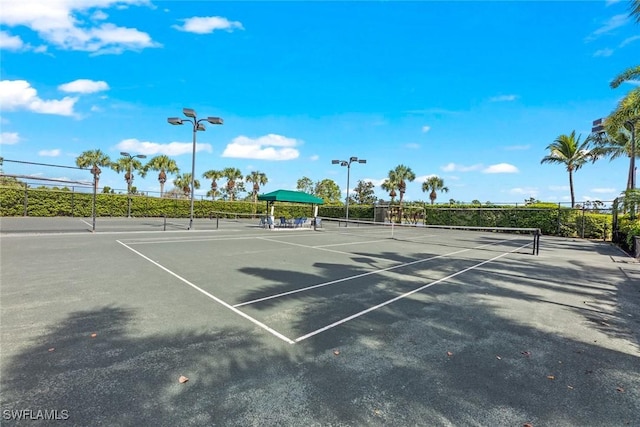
549, 218
546, 216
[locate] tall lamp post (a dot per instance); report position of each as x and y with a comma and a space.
130, 178
347, 163
197, 126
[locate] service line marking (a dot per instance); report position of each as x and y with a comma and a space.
368, 273
213, 297
406, 294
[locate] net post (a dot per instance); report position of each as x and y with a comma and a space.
217, 221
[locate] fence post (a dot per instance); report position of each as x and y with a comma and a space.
73, 192
582, 233
26, 199
559, 213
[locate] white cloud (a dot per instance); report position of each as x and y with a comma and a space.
49, 153
423, 178
268, 147
603, 52
604, 190
19, 95
412, 145
614, 22
517, 147
96, 109
375, 182
629, 40
99, 15
63, 23
503, 98
501, 168
559, 187
153, 148
9, 42
453, 167
426, 129
9, 138
314, 158
84, 86
526, 191
207, 24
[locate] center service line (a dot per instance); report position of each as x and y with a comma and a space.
216, 299
363, 312
368, 273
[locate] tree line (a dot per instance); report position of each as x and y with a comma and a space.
618, 136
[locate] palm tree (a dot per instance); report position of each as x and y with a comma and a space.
635, 10
127, 164
433, 184
390, 185
183, 182
626, 117
95, 159
232, 175
572, 153
257, 178
163, 164
214, 176
401, 174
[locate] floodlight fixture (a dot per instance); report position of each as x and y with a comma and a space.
598, 126
124, 153
347, 163
197, 126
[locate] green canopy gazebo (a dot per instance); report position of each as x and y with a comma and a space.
291, 197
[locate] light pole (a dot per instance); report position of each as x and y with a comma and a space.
347, 163
197, 125
130, 176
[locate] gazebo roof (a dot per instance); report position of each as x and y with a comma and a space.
291, 196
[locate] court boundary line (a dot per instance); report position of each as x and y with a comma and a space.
399, 297
211, 296
368, 273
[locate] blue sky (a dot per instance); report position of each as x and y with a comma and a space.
470, 91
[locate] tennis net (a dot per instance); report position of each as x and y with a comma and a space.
431, 234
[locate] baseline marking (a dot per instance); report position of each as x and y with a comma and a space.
216, 299
368, 273
375, 307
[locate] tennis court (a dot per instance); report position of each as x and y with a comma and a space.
348, 325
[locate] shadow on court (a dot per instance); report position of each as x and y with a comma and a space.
519, 340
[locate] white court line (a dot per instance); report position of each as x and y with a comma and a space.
216, 299
324, 249
357, 276
350, 243
182, 240
363, 312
